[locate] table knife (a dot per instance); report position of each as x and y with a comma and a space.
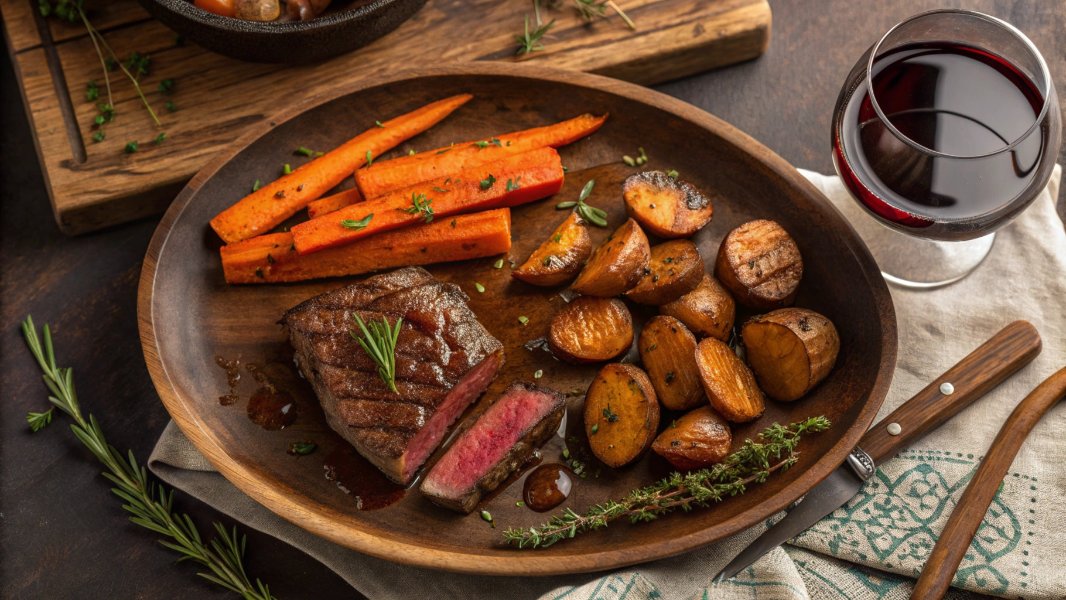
1001, 356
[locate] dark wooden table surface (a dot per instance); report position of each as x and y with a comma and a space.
63, 535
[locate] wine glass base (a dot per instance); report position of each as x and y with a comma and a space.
917, 263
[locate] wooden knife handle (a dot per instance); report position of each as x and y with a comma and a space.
983, 369
955, 540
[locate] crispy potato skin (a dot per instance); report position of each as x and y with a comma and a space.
698, 439
668, 353
667, 207
621, 414
674, 269
708, 310
790, 350
760, 264
617, 265
591, 329
560, 257
728, 382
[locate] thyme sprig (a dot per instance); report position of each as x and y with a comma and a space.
752, 463
379, 342
596, 216
149, 504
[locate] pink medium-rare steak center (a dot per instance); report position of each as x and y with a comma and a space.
444, 360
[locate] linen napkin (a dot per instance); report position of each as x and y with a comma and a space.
878, 542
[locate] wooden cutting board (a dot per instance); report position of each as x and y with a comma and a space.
93, 185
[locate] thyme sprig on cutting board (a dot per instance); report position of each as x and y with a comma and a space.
149, 504
752, 463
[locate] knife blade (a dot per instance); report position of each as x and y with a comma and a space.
990, 364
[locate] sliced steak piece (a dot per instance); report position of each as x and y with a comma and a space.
495, 446
444, 360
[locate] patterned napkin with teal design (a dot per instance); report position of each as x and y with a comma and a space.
871, 548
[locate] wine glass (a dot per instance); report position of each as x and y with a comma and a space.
945, 130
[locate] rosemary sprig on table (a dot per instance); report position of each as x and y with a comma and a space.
530, 40
379, 342
752, 463
596, 216
590, 10
150, 504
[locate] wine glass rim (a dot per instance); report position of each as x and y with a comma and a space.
1044, 72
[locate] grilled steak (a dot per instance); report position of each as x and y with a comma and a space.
444, 360
499, 442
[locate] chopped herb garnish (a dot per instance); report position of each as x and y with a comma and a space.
523, 319
519, 504
595, 428
92, 91
302, 448
489, 142
166, 86
487, 182
609, 414
439, 189
357, 225
132, 147
512, 185
286, 169
159, 139
538, 373
672, 174
170, 106
255, 186
643, 158
379, 342
487, 517
379, 124
557, 238
305, 151
480, 288
98, 136
420, 204
411, 152
369, 158
498, 264
628, 160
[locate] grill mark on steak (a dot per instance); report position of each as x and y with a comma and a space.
444, 360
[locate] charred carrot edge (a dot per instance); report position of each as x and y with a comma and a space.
405, 171
329, 204
509, 182
272, 258
267, 207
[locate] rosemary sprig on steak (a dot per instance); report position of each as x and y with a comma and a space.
379, 342
150, 505
752, 463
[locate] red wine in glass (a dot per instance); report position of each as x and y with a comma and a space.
945, 130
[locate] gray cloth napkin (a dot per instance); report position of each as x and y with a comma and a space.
870, 548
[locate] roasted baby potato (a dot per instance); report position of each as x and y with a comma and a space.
674, 269
560, 257
790, 350
668, 353
699, 439
708, 310
728, 382
760, 263
591, 329
617, 265
621, 414
668, 207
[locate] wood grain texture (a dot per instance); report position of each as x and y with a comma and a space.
86, 286
1013, 347
93, 185
181, 275
954, 540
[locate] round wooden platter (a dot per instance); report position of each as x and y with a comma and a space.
189, 316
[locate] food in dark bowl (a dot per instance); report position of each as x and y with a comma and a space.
282, 31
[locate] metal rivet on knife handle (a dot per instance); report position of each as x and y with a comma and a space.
947, 389
894, 429
955, 539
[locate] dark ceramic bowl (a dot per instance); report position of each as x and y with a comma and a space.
337, 31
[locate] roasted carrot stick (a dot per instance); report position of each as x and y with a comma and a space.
405, 171
329, 204
509, 182
265, 208
272, 258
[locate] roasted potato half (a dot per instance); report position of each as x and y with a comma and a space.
668, 353
617, 265
621, 414
698, 439
560, 257
591, 329
728, 382
668, 207
760, 263
790, 350
674, 269
708, 310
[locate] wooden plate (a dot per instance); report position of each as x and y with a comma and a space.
189, 316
